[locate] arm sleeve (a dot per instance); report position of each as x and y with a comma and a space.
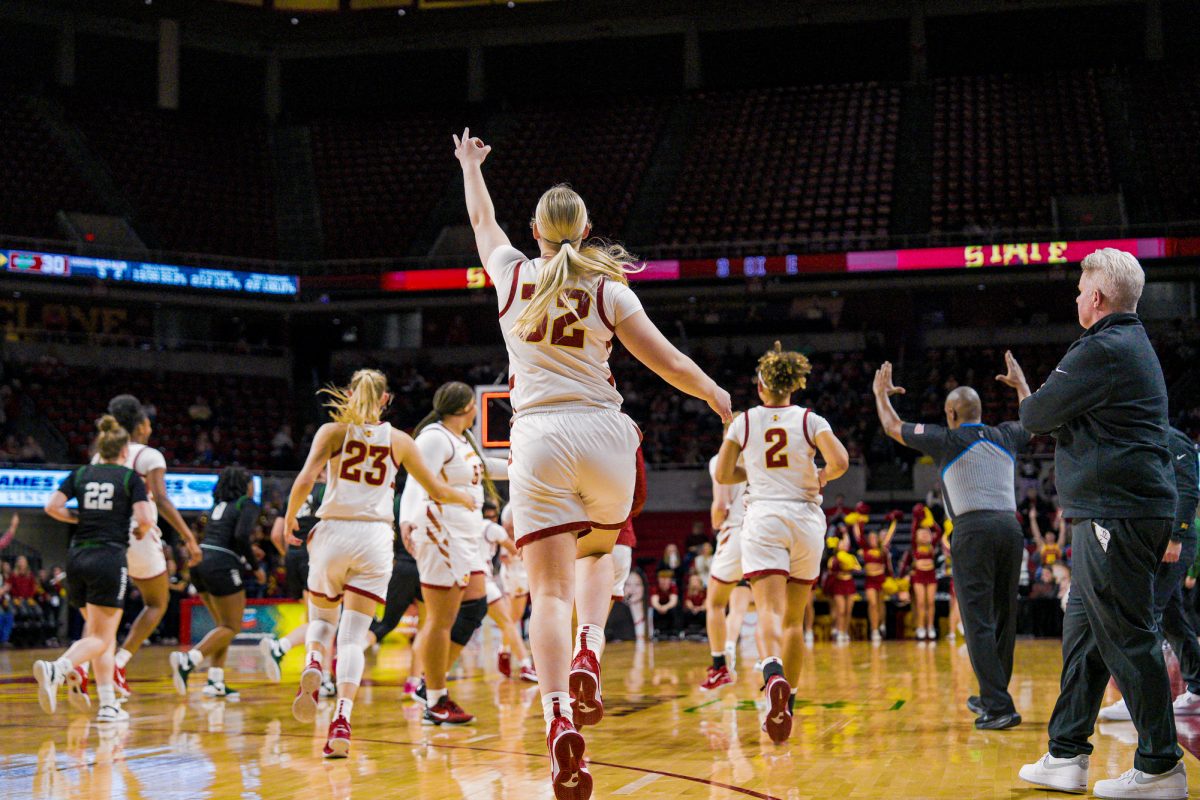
137, 489
1184, 456
500, 266
247, 522
1017, 437
639, 485
1080, 382
932, 440
621, 302
497, 468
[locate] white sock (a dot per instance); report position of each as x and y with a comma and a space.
107, 694
556, 704
344, 707
123, 657
591, 637
216, 674
196, 657
717, 653
432, 696
63, 665
284, 644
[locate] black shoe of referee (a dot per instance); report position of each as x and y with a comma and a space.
997, 722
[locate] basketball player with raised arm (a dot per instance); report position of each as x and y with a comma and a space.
573, 451
783, 534
350, 549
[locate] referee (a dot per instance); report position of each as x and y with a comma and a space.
977, 464
1106, 405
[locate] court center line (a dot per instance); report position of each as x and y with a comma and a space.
646, 771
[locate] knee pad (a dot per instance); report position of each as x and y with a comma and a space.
351, 638
470, 617
322, 626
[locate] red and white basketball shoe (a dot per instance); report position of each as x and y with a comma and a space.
121, 683
778, 723
568, 771
584, 683
77, 694
529, 674
304, 707
338, 743
504, 663
717, 677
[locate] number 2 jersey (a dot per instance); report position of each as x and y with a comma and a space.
778, 449
106, 494
566, 359
361, 484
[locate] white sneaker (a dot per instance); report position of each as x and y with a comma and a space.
328, 687
1187, 705
271, 655
920, 634
731, 656
876, 636
1170, 785
49, 678
808, 637
1118, 712
1063, 774
110, 714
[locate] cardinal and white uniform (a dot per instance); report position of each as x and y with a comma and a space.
351, 548
489, 540
783, 532
446, 537
145, 558
727, 560
572, 449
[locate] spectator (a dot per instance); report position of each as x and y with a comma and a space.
199, 411
693, 606
203, 450
702, 565
664, 605
670, 559
11, 532
283, 448
31, 452
6, 611
23, 583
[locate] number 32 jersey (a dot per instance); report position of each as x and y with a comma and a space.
566, 359
779, 446
362, 483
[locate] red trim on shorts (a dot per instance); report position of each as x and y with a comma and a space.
151, 578
804, 581
362, 593
512, 382
600, 527
762, 573
478, 572
616, 598
570, 527
804, 427
712, 577
512, 291
325, 596
746, 435
600, 307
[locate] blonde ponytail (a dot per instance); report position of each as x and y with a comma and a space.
112, 439
562, 220
360, 402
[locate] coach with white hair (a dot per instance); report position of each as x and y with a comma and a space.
1106, 405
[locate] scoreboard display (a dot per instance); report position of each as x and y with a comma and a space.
494, 418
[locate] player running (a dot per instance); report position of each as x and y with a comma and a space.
350, 549
573, 451
783, 534
726, 586
112, 502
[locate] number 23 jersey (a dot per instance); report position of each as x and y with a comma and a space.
778, 447
362, 483
566, 359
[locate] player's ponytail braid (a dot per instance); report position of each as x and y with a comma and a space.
561, 219
783, 372
361, 401
450, 399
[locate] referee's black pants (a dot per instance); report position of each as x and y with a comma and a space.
1172, 617
1109, 628
403, 588
987, 548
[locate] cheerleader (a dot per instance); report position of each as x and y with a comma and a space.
877, 566
842, 566
113, 501
920, 566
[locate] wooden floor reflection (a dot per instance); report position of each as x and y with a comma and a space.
872, 721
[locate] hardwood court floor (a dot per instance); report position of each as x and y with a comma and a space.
884, 721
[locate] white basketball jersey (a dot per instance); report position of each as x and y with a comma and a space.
737, 497
452, 457
490, 537
778, 448
566, 359
142, 459
361, 486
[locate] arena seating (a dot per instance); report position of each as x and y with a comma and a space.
378, 181
38, 178
1167, 108
201, 185
804, 162
1005, 144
